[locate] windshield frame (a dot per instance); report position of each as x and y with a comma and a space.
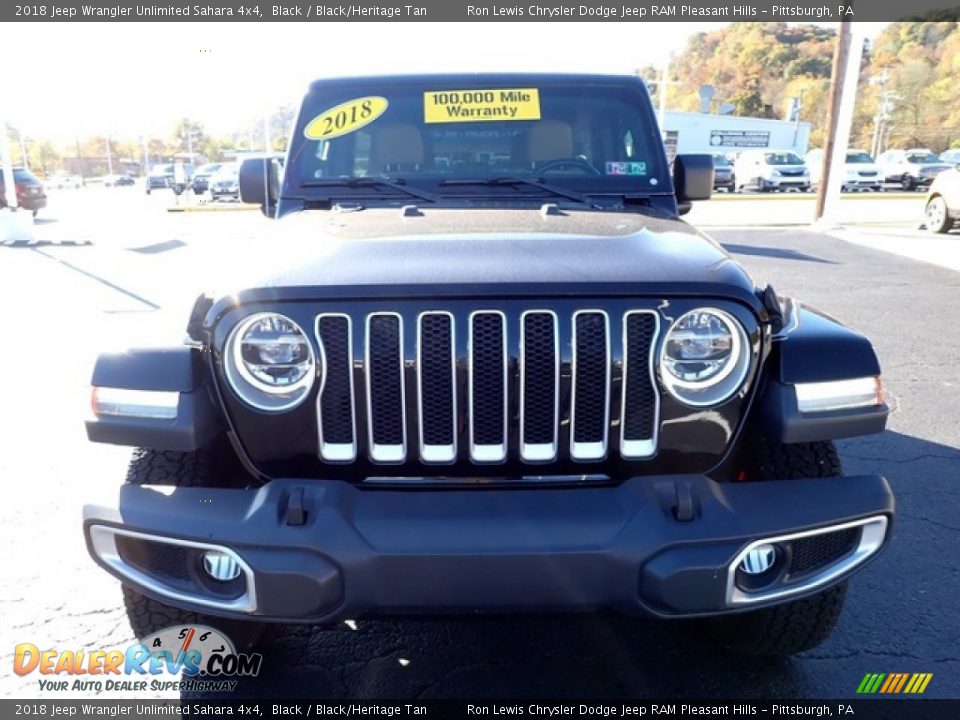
328, 93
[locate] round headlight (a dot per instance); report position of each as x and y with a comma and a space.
705, 357
269, 362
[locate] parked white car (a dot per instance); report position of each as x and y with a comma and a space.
860, 171
61, 182
942, 210
913, 168
767, 170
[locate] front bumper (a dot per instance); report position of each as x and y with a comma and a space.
799, 181
322, 551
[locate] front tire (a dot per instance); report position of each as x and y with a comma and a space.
801, 624
214, 465
936, 215
907, 182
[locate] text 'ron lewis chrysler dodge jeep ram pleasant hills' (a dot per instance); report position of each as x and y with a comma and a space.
486, 367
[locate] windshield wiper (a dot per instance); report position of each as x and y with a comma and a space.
399, 185
534, 182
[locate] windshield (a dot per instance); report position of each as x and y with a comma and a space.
227, 172
162, 170
919, 158
720, 161
859, 157
590, 138
786, 158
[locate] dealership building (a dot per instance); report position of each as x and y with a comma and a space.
692, 132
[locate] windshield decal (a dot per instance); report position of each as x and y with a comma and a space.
626, 168
345, 118
441, 106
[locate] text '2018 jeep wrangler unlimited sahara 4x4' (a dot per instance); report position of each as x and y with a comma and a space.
492, 371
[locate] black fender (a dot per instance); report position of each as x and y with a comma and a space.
178, 369
814, 347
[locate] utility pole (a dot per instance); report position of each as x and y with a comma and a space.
109, 158
796, 119
843, 92
146, 155
23, 150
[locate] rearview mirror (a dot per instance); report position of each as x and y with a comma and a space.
259, 181
692, 180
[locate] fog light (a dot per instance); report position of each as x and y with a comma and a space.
759, 560
221, 566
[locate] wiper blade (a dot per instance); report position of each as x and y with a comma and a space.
534, 182
399, 185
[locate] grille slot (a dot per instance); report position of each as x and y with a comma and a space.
641, 402
336, 416
487, 390
590, 404
436, 387
385, 388
539, 386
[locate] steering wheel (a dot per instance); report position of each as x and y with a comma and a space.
571, 162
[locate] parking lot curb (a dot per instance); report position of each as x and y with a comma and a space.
812, 196
211, 208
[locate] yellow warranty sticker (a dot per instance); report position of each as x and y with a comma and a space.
346, 118
441, 106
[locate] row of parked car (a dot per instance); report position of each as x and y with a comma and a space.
220, 180
768, 170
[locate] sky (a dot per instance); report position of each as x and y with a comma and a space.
134, 79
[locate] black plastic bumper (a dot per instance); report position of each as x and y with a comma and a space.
362, 550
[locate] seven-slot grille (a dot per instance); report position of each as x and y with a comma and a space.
477, 384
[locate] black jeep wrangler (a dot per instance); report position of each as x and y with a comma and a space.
486, 367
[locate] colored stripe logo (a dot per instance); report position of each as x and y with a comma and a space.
894, 683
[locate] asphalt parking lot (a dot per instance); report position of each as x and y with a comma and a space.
64, 303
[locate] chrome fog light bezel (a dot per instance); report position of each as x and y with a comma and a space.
872, 537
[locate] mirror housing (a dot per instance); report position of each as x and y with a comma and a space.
259, 180
692, 180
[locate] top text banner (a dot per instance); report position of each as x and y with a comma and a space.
480, 10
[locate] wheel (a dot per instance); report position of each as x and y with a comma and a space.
214, 465
907, 182
801, 624
35, 213
936, 215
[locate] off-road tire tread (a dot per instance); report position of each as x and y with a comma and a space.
776, 461
801, 624
213, 465
783, 629
148, 616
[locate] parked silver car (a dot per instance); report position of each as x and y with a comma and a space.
860, 171
912, 168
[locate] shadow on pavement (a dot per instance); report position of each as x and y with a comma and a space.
900, 613
772, 252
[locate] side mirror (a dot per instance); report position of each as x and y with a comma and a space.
259, 181
692, 180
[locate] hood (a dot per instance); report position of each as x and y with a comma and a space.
385, 252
